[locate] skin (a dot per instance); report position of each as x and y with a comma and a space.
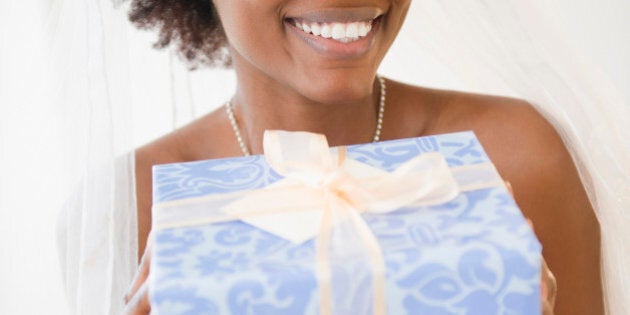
291, 87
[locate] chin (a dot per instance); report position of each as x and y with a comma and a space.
339, 89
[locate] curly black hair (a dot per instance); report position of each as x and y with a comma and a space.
192, 26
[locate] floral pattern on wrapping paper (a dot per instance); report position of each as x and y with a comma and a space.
438, 259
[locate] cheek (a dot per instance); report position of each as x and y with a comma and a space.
398, 14
252, 27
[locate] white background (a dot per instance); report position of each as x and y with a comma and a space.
31, 192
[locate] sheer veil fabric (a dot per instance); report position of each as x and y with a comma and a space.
504, 47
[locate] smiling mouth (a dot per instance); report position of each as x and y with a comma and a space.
344, 32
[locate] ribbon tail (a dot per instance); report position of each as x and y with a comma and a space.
324, 274
379, 305
344, 239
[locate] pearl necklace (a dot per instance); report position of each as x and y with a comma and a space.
377, 133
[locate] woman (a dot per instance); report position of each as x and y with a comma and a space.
293, 76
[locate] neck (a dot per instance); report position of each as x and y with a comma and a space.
261, 104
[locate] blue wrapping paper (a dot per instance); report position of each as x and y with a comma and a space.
472, 255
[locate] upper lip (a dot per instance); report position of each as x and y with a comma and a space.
340, 15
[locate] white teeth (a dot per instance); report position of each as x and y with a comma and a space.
363, 29
343, 32
352, 30
326, 31
338, 31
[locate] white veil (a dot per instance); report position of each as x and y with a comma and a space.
497, 46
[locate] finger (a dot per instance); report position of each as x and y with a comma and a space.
549, 285
530, 223
547, 309
142, 273
547, 301
139, 303
508, 185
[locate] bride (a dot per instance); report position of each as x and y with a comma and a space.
312, 65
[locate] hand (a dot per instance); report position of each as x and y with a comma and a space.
548, 289
548, 285
137, 299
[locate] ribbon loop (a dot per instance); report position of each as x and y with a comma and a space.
298, 154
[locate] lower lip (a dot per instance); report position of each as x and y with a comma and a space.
335, 49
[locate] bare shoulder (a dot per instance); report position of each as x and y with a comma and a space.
514, 133
526, 149
511, 130
190, 142
201, 139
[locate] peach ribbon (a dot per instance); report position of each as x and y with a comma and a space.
331, 191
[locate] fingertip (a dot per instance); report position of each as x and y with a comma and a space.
530, 223
508, 185
139, 303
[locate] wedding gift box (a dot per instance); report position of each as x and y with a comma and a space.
377, 229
